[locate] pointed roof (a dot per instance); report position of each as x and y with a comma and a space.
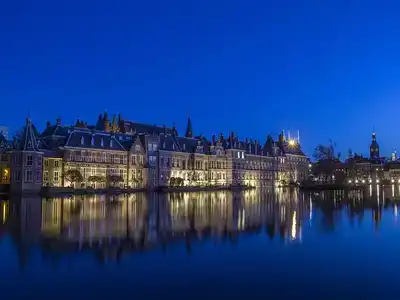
189, 129
27, 139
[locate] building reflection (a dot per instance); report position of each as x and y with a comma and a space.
112, 226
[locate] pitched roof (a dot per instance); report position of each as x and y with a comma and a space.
129, 126
27, 139
93, 139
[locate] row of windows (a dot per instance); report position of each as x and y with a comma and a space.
97, 157
29, 176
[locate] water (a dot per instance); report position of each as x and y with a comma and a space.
259, 244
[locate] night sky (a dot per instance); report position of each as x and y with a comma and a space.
327, 68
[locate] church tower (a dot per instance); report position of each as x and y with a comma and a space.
374, 148
189, 129
26, 162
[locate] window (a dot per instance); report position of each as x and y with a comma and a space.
184, 146
238, 155
28, 175
152, 159
17, 175
141, 159
29, 161
56, 176
82, 140
56, 163
137, 148
242, 155
46, 163
134, 159
111, 143
102, 142
154, 147
92, 142
39, 161
46, 176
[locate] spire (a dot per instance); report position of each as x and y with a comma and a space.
28, 137
106, 123
189, 129
99, 124
114, 125
174, 131
119, 118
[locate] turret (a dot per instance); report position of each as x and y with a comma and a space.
189, 129
374, 148
106, 122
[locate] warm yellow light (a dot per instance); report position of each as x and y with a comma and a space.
349, 181
292, 143
363, 181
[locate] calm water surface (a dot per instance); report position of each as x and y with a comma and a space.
260, 244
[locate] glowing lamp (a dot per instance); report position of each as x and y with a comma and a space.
292, 143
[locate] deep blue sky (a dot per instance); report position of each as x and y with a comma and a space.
327, 68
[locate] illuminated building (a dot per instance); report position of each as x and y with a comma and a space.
119, 153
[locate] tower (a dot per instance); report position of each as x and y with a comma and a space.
106, 122
189, 129
374, 148
26, 162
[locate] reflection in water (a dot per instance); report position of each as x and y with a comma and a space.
113, 226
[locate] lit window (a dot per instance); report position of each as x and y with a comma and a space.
92, 142
102, 142
111, 143
82, 140
56, 176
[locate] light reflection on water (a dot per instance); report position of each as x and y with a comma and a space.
117, 230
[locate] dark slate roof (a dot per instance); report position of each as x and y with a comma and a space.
187, 144
27, 139
129, 126
76, 138
168, 142
55, 130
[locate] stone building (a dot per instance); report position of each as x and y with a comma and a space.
119, 153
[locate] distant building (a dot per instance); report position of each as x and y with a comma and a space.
4, 131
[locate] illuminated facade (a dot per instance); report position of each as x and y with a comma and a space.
119, 153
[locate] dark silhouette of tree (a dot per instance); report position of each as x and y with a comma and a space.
73, 176
326, 160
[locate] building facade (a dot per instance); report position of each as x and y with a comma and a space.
119, 153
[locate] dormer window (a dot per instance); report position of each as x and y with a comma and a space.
82, 140
173, 146
163, 145
92, 142
29, 144
102, 142
184, 146
111, 143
